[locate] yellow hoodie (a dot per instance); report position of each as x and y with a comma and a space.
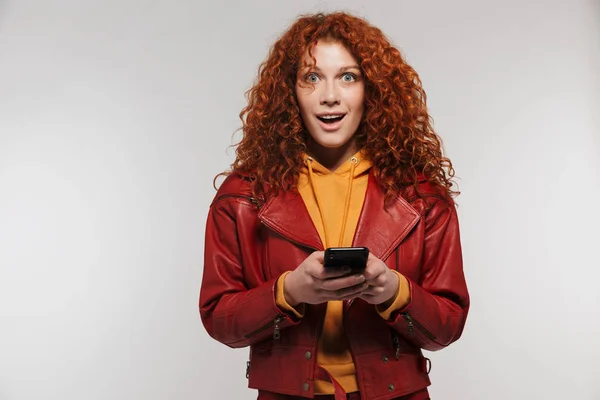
334, 201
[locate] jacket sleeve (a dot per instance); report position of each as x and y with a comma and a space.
237, 307
437, 311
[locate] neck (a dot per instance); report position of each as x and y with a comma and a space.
332, 158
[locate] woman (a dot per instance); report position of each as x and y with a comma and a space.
337, 151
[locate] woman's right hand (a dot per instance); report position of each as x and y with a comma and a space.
311, 283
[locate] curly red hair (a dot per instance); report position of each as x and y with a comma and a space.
395, 131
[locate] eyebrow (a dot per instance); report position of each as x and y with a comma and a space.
344, 68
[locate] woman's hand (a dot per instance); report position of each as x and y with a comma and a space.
383, 283
311, 283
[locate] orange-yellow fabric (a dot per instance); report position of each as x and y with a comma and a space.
334, 200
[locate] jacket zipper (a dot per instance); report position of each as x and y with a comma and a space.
412, 324
396, 344
276, 331
272, 324
251, 199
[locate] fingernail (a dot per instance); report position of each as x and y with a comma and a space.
360, 278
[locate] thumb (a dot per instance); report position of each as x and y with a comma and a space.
319, 256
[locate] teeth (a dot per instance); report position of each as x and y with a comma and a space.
331, 116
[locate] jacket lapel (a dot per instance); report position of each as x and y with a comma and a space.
287, 215
381, 230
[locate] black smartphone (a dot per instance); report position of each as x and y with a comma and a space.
353, 257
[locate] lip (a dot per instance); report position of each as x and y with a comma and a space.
331, 127
325, 114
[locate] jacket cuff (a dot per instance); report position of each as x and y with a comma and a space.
401, 300
280, 298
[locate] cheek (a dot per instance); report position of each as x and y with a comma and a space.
356, 100
358, 109
304, 97
360, 99
303, 105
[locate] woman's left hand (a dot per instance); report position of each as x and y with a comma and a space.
383, 283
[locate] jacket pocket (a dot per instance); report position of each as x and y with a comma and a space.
391, 377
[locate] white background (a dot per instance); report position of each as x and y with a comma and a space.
115, 115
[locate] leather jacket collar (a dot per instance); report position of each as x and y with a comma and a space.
379, 229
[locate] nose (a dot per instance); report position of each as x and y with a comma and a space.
330, 94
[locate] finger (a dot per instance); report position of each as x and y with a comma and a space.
368, 298
323, 273
342, 282
352, 291
379, 280
315, 268
349, 297
374, 268
373, 291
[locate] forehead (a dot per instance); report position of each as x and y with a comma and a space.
329, 54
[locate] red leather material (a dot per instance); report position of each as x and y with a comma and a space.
420, 395
248, 245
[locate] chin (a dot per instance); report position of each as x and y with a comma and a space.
333, 143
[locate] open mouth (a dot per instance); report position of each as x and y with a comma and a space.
331, 119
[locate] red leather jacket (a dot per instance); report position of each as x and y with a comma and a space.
249, 244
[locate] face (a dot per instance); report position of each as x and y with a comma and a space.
331, 98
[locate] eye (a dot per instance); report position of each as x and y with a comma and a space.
312, 77
348, 77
